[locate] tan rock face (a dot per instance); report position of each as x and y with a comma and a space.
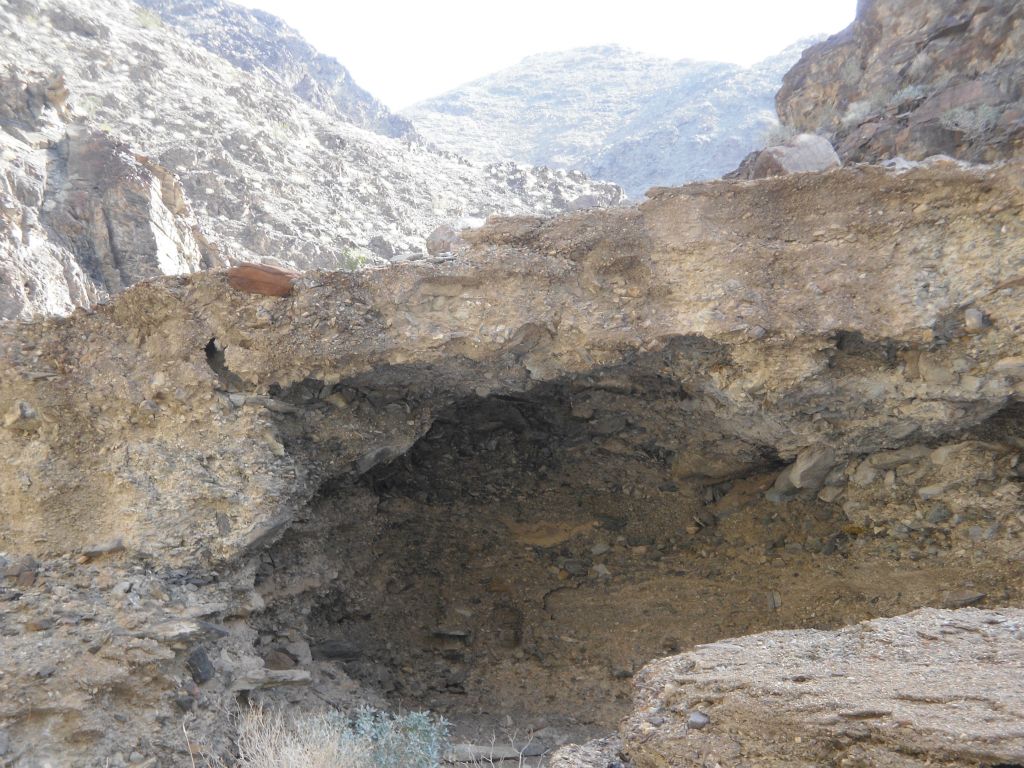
914, 79
794, 313
930, 688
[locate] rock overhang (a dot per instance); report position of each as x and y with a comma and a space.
794, 312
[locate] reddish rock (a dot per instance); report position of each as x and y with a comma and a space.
263, 279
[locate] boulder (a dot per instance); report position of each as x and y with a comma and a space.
263, 279
808, 471
801, 154
934, 687
442, 240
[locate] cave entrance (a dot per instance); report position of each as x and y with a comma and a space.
530, 553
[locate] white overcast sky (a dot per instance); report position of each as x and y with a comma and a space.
404, 51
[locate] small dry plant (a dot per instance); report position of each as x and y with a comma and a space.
272, 739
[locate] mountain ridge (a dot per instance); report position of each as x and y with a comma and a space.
254, 40
612, 112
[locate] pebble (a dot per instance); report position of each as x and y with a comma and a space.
106, 548
931, 491
697, 720
184, 702
830, 493
38, 625
200, 666
278, 660
602, 572
977, 533
600, 548
974, 320
964, 599
576, 567
346, 651
865, 474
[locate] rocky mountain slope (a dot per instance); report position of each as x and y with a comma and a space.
616, 114
915, 79
255, 41
121, 218
255, 170
578, 444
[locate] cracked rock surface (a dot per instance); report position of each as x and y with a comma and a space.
81, 215
770, 321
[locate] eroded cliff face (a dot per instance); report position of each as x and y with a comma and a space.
82, 216
915, 79
933, 687
576, 443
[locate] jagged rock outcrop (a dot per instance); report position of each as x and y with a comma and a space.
272, 175
616, 114
82, 216
914, 79
930, 688
254, 40
479, 456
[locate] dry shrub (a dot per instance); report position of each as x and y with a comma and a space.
272, 739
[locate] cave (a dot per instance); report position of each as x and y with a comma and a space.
531, 551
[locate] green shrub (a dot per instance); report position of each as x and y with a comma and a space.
414, 740
859, 111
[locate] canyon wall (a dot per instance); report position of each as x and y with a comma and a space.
915, 79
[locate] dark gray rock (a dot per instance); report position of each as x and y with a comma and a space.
200, 666
341, 650
907, 79
697, 720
